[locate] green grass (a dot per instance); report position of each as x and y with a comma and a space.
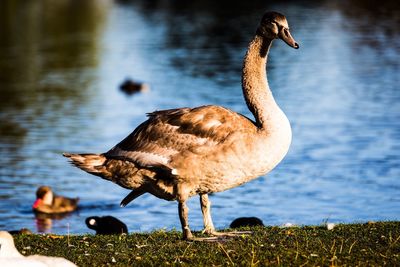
370, 244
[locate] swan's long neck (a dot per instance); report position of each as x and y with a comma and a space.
256, 91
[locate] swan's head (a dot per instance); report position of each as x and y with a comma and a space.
274, 25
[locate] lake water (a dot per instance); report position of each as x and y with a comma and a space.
61, 63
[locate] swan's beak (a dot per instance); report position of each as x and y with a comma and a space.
285, 35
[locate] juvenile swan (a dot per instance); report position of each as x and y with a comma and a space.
179, 153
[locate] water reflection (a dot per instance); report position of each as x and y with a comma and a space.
205, 38
48, 51
61, 64
40, 38
43, 48
44, 222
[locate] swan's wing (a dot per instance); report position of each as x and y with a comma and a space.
169, 132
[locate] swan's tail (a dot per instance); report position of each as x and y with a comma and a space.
91, 163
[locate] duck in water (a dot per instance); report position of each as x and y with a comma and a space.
48, 203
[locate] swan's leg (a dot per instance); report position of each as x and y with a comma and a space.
208, 224
183, 216
206, 210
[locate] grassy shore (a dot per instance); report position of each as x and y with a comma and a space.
369, 244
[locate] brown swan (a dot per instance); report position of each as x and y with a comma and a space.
179, 153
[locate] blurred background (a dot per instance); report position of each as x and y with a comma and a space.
62, 62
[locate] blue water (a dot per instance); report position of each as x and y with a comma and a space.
61, 64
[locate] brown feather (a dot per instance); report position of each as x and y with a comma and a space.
170, 132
